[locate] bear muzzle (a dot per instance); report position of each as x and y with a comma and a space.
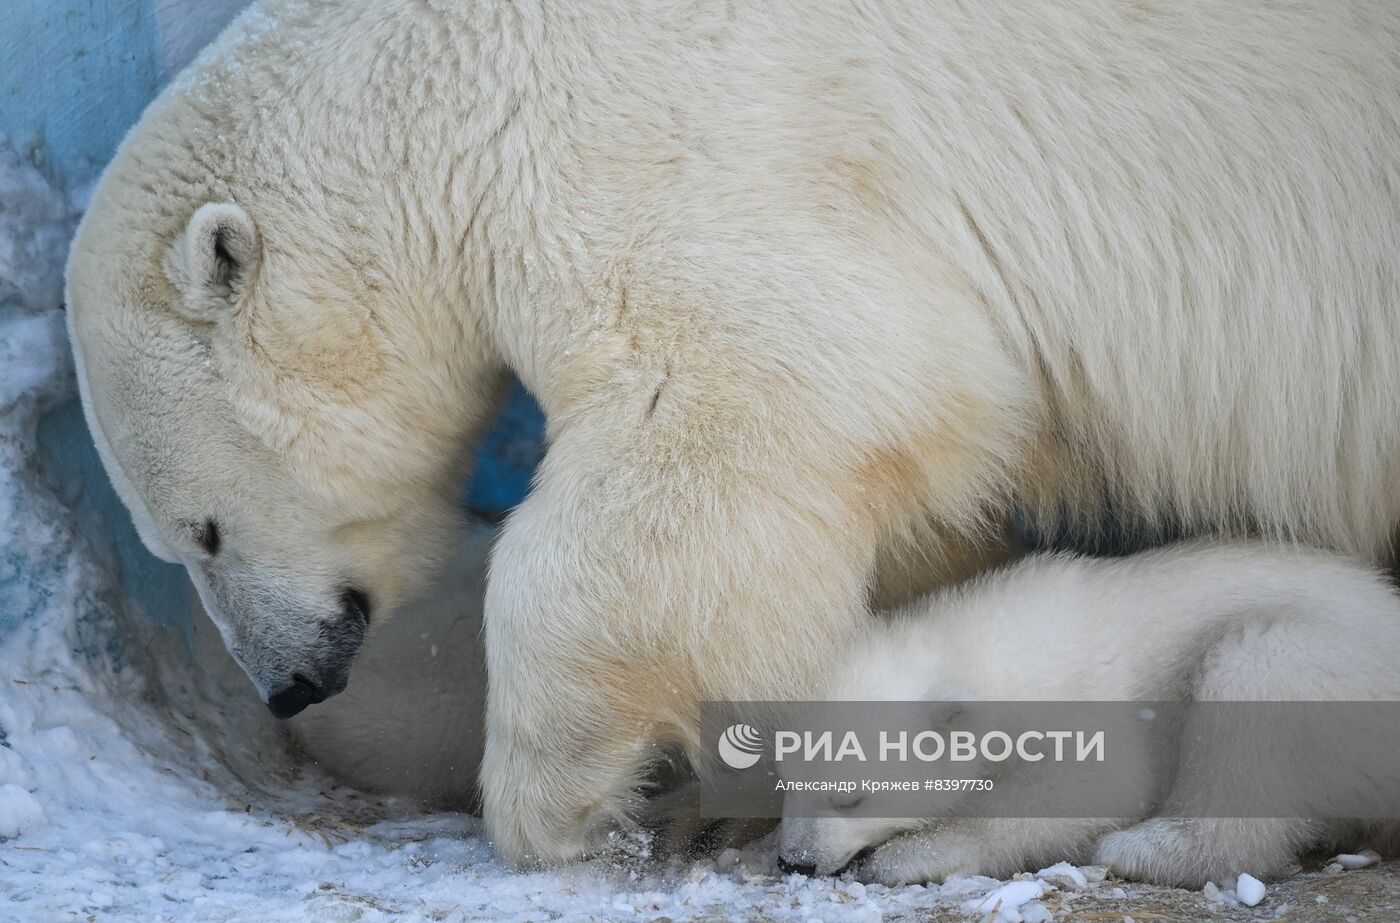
295, 698
340, 640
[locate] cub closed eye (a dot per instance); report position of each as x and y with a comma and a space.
846, 802
208, 537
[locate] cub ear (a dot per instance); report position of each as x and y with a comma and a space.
212, 263
948, 705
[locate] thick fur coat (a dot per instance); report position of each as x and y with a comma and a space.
1196, 622
807, 292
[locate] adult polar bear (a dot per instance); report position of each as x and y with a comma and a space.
791, 281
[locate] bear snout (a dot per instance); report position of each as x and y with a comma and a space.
327, 675
294, 699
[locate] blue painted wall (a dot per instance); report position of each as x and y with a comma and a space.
74, 76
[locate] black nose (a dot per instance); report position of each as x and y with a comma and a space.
294, 699
789, 868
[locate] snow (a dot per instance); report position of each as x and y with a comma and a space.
1065, 877
1249, 890
35, 223
20, 811
1364, 859
1006, 903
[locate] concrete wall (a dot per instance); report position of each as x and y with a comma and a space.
75, 74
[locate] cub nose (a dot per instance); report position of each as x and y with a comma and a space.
788, 868
294, 699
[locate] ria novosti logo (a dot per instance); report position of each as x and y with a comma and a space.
740, 746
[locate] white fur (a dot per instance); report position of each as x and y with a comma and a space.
410, 724
1193, 622
792, 281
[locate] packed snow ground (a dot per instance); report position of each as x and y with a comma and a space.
131, 789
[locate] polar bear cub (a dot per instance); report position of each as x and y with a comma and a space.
1196, 622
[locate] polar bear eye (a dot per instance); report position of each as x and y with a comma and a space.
208, 538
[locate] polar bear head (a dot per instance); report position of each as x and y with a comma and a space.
282, 403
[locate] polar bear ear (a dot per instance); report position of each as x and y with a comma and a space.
212, 263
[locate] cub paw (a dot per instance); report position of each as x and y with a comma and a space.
919, 859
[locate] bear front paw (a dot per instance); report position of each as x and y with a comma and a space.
1158, 851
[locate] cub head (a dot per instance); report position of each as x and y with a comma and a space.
281, 402
893, 678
